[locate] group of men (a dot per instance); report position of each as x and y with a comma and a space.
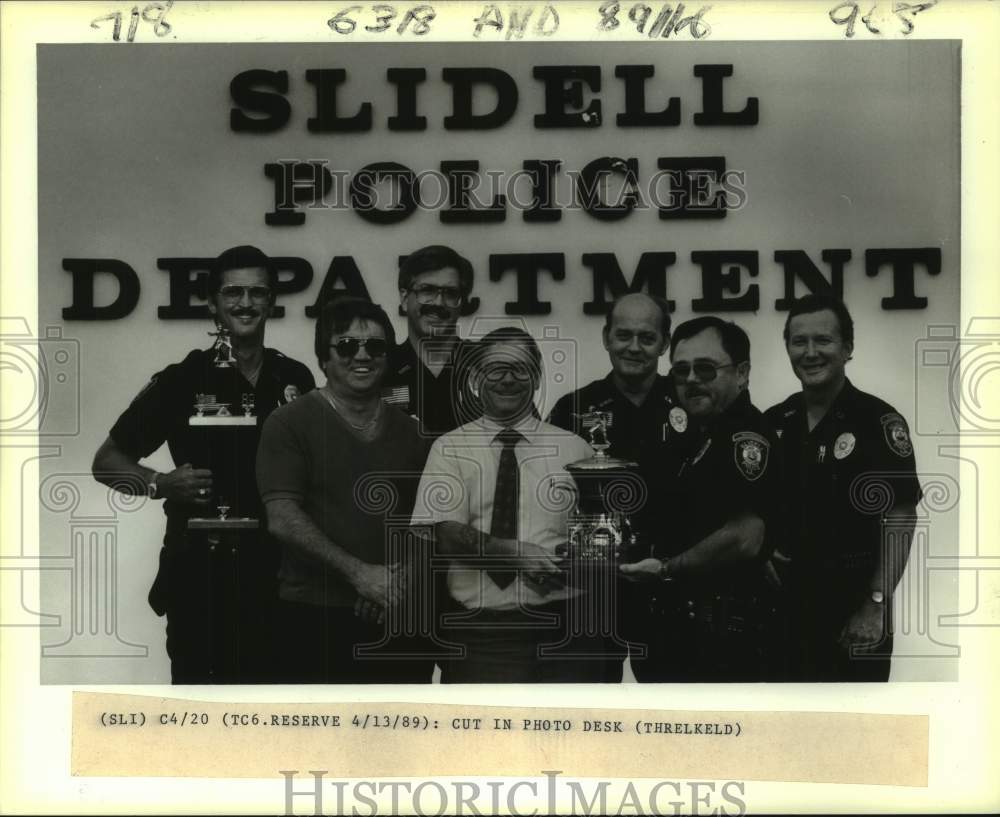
414, 510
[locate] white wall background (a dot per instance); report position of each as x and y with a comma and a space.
857, 147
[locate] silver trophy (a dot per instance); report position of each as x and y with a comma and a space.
600, 530
224, 358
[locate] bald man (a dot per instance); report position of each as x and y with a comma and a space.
646, 421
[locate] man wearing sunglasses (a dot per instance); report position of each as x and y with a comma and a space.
241, 288
335, 468
723, 501
840, 447
426, 378
644, 418
496, 489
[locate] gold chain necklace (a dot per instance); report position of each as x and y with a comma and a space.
364, 426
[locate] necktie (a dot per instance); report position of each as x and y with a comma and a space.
503, 525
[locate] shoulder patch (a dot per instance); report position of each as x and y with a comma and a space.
750, 451
897, 435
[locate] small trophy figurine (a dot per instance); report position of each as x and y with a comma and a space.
223, 509
597, 422
248, 403
599, 527
223, 348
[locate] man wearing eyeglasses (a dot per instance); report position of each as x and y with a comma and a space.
426, 377
723, 499
335, 468
841, 448
644, 418
241, 292
497, 496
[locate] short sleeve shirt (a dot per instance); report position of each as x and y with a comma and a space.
358, 492
729, 470
161, 411
459, 483
440, 402
841, 478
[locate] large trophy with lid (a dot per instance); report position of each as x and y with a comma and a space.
226, 444
608, 490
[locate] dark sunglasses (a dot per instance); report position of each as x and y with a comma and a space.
347, 348
703, 372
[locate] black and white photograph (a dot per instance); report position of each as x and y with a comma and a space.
594, 345
605, 258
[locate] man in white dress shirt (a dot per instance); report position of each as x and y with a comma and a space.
498, 496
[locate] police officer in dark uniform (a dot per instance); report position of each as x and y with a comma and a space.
851, 491
428, 371
711, 612
643, 418
193, 586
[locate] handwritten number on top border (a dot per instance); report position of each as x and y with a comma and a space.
846, 14
417, 19
154, 14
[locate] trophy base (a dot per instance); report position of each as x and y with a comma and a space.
216, 523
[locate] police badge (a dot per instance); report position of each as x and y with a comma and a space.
844, 445
750, 452
896, 435
678, 419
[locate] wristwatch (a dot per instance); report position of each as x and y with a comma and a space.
151, 487
878, 596
664, 574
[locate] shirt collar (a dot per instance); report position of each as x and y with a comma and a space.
841, 404
528, 427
